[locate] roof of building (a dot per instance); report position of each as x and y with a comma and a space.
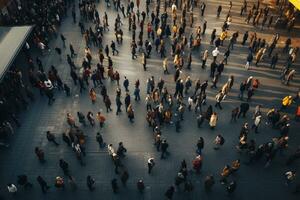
11, 41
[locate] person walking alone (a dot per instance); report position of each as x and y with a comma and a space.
151, 164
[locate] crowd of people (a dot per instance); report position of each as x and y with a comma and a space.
164, 29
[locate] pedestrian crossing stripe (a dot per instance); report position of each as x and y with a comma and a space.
296, 3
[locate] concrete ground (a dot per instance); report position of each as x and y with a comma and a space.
253, 182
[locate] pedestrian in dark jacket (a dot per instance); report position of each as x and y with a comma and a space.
43, 184
114, 185
23, 181
164, 148
124, 177
213, 67
99, 139
90, 182
170, 192
64, 166
244, 107
140, 186
51, 138
209, 182
150, 164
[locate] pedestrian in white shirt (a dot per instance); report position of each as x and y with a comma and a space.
256, 123
190, 102
215, 53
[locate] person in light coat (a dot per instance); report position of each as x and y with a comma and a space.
256, 123
213, 120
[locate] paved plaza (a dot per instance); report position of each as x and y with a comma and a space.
253, 181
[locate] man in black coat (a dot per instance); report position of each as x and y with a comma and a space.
164, 147
213, 67
244, 107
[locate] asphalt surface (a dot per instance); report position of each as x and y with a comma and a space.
253, 182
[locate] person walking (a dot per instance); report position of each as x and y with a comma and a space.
81, 118
64, 166
151, 164
215, 54
219, 98
93, 95
107, 103
40, 154
256, 123
213, 120
51, 137
63, 39
219, 10
213, 67
126, 84
43, 184
130, 113
286, 102
140, 186
245, 38
144, 61
226, 55
164, 148
90, 182
249, 60
58, 51
224, 174
12, 188
165, 66
124, 177
289, 177
72, 51
23, 181
197, 163
219, 141
244, 107
99, 139
200, 145
234, 114
204, 59
113, 47
231, 187
274, 61
101, 119
114, 185
119, 104
90, 118
202, 8
121, 150
170, 192
208, 182
242, 90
